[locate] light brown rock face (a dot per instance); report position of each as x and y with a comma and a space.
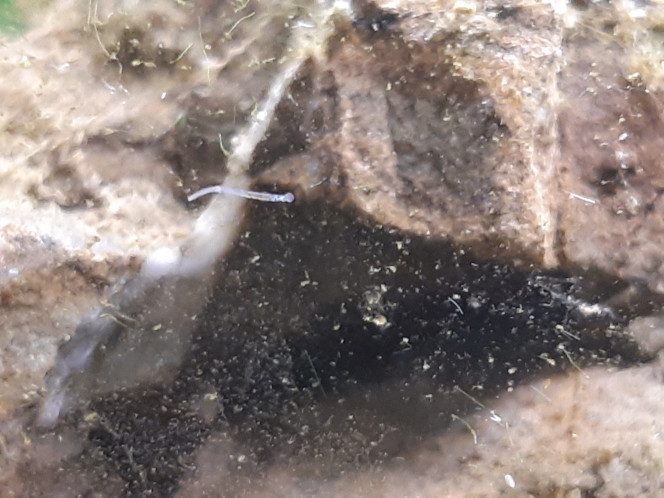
500, 126
611, 131
444, 125
479, 201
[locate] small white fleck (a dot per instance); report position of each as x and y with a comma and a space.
583, 198
61, 68
509, 480
160, 262
456, 305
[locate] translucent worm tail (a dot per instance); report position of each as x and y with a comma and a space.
247, 194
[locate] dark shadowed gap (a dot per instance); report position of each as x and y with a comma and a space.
325, 336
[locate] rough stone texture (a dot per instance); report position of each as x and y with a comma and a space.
445, 127
93, 98
524, 132
42, 299
499, 125
611, 137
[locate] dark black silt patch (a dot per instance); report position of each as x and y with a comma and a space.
323, 334
147, 437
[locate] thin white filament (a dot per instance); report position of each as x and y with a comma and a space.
239, 192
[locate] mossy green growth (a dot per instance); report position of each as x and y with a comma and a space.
12, 19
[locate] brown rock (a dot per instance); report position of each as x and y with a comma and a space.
498, 126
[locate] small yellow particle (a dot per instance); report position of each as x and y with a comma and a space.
91, 417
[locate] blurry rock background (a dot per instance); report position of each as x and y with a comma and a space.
479, 219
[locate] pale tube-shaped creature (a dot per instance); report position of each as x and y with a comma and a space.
247, 194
